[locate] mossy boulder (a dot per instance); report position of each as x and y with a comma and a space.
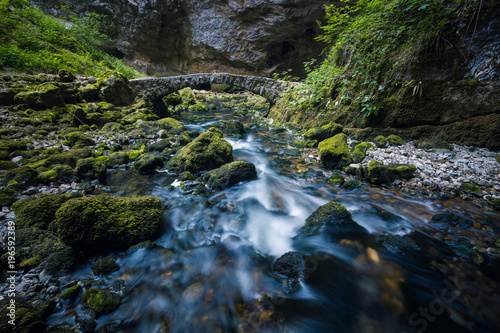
161, 145
112, 127
171, 125
7, 196
71, 293
231, 174
352, 184
334, 152
332, 218
291, 267
208, 151
28, 320
105, 266
231, 126
11, 145
324, 132
47, 177
8, 165
470, 188
118, 158
336, 178
4, 155
78, 138
359, 152
142, 245
395, 140
103, 223
98, 302
24, 177
380, 141
378, 173
65, 173
38, 210
115, 88
148, 163
90, 169
173, 99
43, 96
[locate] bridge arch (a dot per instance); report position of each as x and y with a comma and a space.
155, 88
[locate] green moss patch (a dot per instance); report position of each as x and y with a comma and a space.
105, 266
334, 152
98, 302
71, 293
231, 174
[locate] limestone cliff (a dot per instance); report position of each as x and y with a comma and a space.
166, 37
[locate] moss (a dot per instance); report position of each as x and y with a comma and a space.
142, 245
208, 151
78, 138
48, 176
30, 263
43, 96
112, 127
184, 139
352, 184
161, 145
187, 96
378, 173
399, 244
380, 141
8, 165
170, 125
62, 158
38, 210
470, 188
324, 132
104, 266
71, 293
334, 152
81, 153
231, 174
173, 99
103, 223
115, 88
231, 126
148, 163
334, 217
359, 152
395, 140
10, 146
336, 178
98, 302
118, 158
27, 320
186, 175
90, 169
134, 154
7, 196
198, 107
24, 176
5, 156
304, 143
65, 173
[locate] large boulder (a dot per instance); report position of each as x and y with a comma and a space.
334, 152
103, 223
208, 151
43, 96
114, 88
332, 218
23, 177
231, 174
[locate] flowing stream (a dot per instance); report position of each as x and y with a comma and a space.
212, 269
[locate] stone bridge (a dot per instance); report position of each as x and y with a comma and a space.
157, 87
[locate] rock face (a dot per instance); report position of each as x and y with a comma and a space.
238, 36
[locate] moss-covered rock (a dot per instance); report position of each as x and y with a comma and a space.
352, 184
470, 188
378, 173
24, 177
43, 96
171, 125
38, 210
336, 178
90, 169
115, 88
66, 76
231, 126
290, 266
48, 177
103, 223
399, 244
208, 151
161, 145
395, 140
11, 145
98, 302
359, 152
456, 220
105, 266
380, 141
118, 158
142, 245
112, 127
7, 165
71, 293
148, 163
65, 173
231, 174
332, 218
324, 132
78, 138
198, 107
334, 152
27, 319
7, 196
5, 156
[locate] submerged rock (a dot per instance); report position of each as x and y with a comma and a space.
231, 174
399, 244
332, 218
208, 151
105, 266
334, 152
453, 219
103, 223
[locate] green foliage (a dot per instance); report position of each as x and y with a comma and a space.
32, 41
375, 45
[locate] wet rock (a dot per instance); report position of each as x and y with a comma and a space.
71, 293
399, 244
336, 178
98, 302
332, 218
208, 151
334, 152
231, 174
105, 266
102, 223
232, 126
352, 184
291, 267
456, 220
378, 173
148, 163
